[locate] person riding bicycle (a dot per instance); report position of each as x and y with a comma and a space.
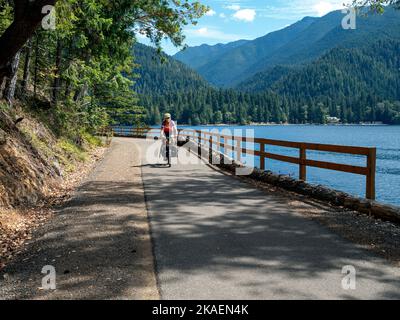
168, 130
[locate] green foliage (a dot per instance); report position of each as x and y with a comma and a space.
75, 153
6, 15
40, 145
375, 6
3, 106
91, 140
82, 73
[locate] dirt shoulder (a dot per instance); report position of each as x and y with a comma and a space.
18, 224
98, 241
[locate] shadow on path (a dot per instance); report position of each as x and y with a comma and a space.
217, 237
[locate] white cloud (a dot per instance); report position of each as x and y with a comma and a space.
247, 15
297, 9
212, 33
210, 13
234, 7
202, 31
322, 8
222, 15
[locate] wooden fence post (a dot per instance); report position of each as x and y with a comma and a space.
199, 145
303, 166
262, 158
238, 149
210, 150
224, 157
233, 147
217, 142
371, 165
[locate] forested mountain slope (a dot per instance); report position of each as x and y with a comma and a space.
165, 85
159, 74
349, 83
196, 57
300, 43
228, 68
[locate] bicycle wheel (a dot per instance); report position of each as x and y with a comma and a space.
168, 154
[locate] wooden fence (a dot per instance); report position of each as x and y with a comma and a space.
216, 141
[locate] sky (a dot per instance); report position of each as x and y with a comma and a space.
230, 20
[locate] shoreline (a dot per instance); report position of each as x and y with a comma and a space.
292, 124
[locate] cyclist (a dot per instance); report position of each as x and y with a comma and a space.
169, 130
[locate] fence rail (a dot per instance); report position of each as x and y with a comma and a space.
216, 141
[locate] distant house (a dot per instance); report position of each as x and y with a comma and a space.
333, 119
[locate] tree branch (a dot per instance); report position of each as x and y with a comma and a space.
27, 17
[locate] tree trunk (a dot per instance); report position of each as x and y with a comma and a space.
27, 63
57, 80
2, 87
12, 82
27, 17
81, 93
35, 79
67, 88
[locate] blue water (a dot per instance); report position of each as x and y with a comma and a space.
385, 138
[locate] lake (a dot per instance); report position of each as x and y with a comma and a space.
385, 138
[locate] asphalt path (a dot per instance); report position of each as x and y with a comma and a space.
216, 237
213, 237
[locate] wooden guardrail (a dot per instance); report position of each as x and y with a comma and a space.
130, 131
234, 143
216, 141
106, 133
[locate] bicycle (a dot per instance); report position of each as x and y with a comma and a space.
168, 149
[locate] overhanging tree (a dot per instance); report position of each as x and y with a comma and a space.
156, 19
27, 15
375, 5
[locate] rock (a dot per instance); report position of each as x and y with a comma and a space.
364, 206
338, 198
57, 168
286, 182
256, 174
3, 137
6, 122
272, 178
351, 202
267, 176
324, 193
304, 188
18, 120
385, 212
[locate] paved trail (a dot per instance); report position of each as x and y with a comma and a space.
99, 242
214, 238
219, 238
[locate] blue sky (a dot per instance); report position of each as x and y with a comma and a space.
230, 20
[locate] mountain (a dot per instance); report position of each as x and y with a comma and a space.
372, 68
227, 67
159, 74
196, 57
354, 84
166, 85
301, 43
262, 81
349, 82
